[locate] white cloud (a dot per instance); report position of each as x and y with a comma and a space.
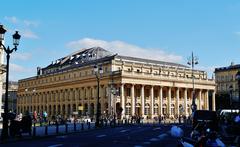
30, 23
16, 68
11, 19
24, 26
29, 34
19, 72
22, 56
123, 48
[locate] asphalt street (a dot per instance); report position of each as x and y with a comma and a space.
134, 136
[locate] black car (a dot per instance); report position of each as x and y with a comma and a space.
205, 117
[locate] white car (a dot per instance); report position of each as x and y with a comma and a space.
1, 119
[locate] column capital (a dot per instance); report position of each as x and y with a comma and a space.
122, 84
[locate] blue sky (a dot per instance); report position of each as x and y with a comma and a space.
163, 30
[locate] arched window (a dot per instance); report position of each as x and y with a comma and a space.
155, 109
128, 109
172, 109
147, 109
164, 109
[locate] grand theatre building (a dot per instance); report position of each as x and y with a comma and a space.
128, 86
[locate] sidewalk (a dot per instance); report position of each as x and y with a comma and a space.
51, 130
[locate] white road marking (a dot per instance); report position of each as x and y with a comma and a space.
124, 131
147, 143
162, 136
55, 145
137, 146
61, 136
99, 136
154, 139
159, 128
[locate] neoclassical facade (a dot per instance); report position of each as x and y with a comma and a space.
129, 86
226, 82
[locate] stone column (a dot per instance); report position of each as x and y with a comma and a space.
213, 101
123, 100
177, 101
160, 101
200, 100
169, 101
207, 101
185, 102
143, 99
133, 100
152, 101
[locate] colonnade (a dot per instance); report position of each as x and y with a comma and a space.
155, 100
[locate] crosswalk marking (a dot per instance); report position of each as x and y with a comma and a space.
99, 136
154, 139
122, 131
55, 145
158, 128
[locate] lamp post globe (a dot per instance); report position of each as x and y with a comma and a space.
8, 50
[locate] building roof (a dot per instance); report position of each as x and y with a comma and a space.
95, 55
148, 61
231, 67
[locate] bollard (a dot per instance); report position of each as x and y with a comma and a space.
66, 127
46, 130
75, 128
57, 129
34, 129
89, 127
82, 127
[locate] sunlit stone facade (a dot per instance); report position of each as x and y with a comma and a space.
139, 86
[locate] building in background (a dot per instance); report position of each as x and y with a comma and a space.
2, 78
227, 84
12, 95
129, 86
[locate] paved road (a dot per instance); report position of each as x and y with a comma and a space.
134, 136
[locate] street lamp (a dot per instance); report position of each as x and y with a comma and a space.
231, 95
98, 72
16, 38
238, 79
193, 61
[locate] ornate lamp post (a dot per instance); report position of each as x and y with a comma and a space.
193, 61
98, 72
231, 95
16, 38
238, 79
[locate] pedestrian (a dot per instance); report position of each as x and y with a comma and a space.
179, 119
45, 116
35, 116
